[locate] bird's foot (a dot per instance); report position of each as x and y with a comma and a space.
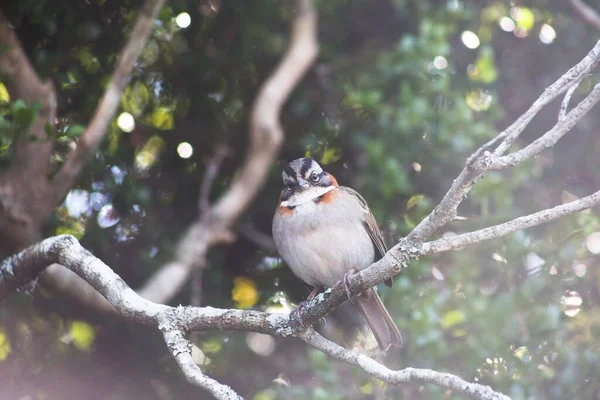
347, 275
297, 312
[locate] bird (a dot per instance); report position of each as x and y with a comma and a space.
324, 232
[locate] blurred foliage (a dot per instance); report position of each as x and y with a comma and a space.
399, 99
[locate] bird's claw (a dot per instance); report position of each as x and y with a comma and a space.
347, 275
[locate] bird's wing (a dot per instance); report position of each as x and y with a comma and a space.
370, 226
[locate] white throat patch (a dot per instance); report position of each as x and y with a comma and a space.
308, 195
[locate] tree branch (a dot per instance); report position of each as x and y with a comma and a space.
586, 13
212, 169
181, 348
174, 322
517, 224
570, 78
367, 364
549, 139
97, 128
487, 158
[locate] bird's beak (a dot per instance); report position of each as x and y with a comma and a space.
303, 183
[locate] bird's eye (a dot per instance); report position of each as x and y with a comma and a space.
315, 177
288, 188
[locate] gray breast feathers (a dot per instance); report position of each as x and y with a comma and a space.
320, 241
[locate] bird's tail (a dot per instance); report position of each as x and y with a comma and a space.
379, 320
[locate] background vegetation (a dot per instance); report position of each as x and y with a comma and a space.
403, 91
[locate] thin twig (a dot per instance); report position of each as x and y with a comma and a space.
212, 170
483, 158
517, 224
586, 13
564, 106
510, 134
549, 139
446, 381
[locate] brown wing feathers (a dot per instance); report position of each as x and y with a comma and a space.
372, 229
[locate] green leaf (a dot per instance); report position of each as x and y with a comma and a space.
74, 131
525, 18
331, 155
49, 129
485, 68
452, 318
414, 200
4, 96
24, 114
83, 334
267, 394
162, 119
5, 347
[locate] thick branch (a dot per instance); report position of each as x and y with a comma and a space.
98, 126
175, 321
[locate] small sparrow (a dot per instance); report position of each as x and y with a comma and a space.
324, 232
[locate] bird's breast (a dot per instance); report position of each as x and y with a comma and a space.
321, 241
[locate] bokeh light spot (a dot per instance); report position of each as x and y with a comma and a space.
261, 344
440, 62
126, 122
547, 34
571, 303
580, 269
108, 216
185, 150
470, 39
507, 24
183, 20
592, 242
